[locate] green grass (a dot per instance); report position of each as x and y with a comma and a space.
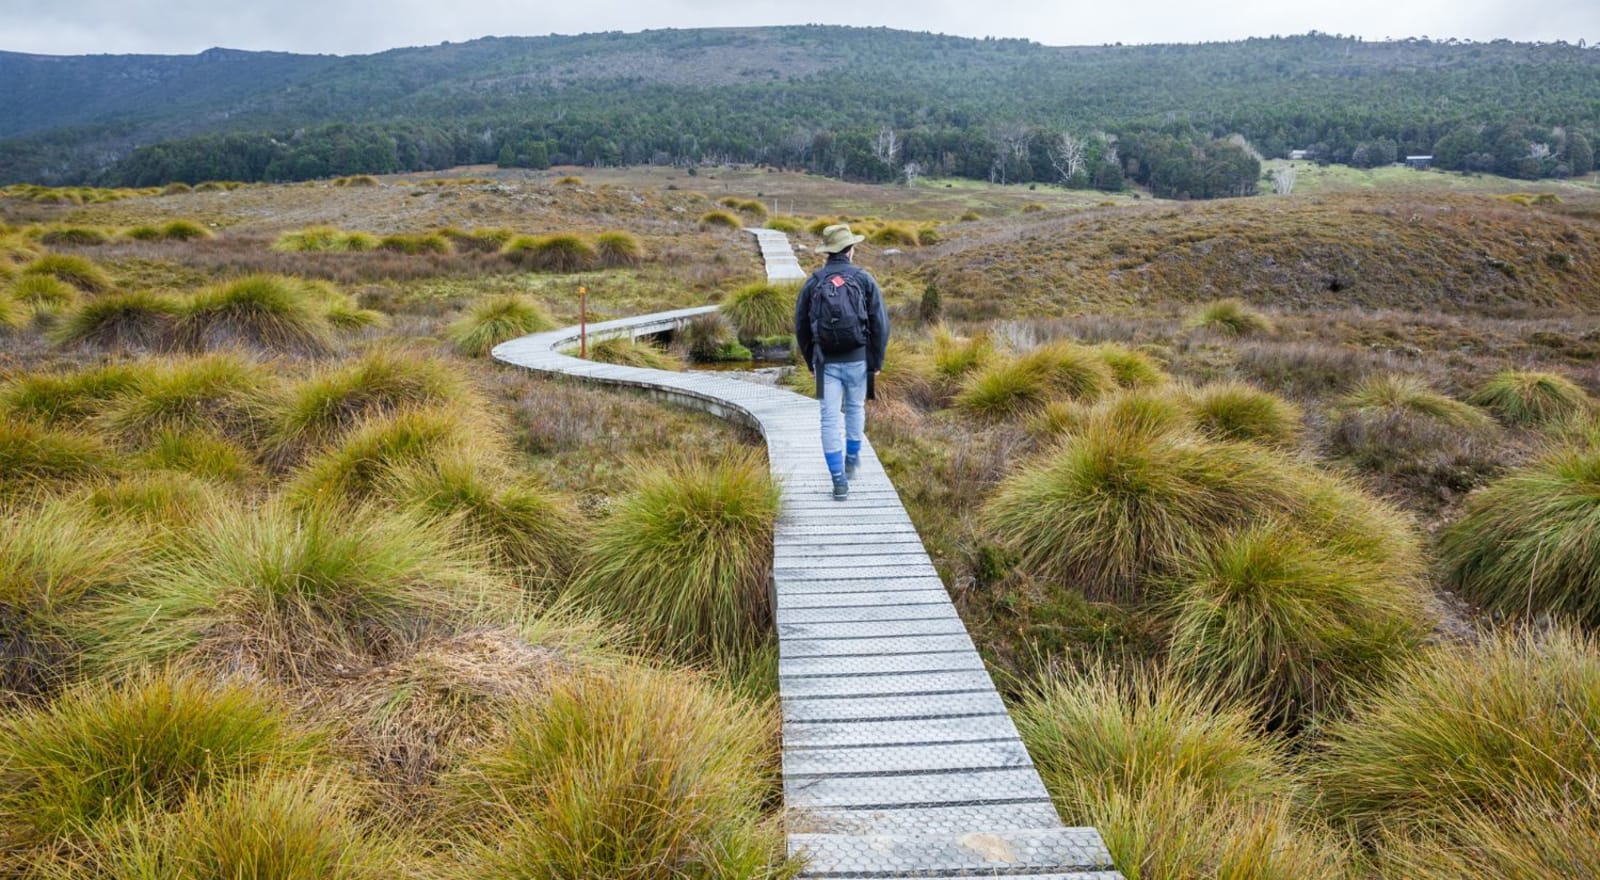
616, 248
1271, 618
33, 458
684, 558
45, 294
1530, 838
74, 270
561, 252
184, 230
1023, 384
416, 244
955, 357
221, 394
74, 236
1235, 411
1395, 392
358, 466
1468, 732
762, 309
200, 453
785, 225
1231, 317
1529, 544
138, 321
261, 312
294, 596
720, 220
894, 235
627, 773
632, 353
323, 407
710, 339
1130, 367
495, 320
14, 315
325, 239
69, 398
164, 500
1532, 399
106, 752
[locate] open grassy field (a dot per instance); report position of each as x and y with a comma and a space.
1272, 516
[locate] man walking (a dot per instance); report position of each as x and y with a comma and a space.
842, 328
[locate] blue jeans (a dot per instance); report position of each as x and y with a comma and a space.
843, 384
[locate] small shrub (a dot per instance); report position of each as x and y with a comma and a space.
561, 252
631, 353
762, 309
615, 249
1233, 411
495, 320
263, 312
1024, 384
103, 752
616, 773
74, 236
1231, 317
293, 596
1272, 618
414, 244
184, 230
73, 270
1131, 368
1529, 543
720, 219
1468, 731
894, 235
684, 558
138, 321
1531, 400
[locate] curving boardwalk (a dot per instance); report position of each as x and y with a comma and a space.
899, 759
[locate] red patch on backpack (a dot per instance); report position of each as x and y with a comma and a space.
838, 280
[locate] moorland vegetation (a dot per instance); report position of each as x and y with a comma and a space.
1272, 518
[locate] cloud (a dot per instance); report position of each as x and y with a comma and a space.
344, 27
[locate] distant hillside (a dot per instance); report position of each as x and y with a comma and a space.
813, 97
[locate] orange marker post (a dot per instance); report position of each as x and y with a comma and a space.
583, 322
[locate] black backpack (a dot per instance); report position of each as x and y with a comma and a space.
839, 311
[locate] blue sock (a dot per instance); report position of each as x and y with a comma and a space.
852, 448
835, 463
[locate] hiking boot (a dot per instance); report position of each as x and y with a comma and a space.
851, 463
841, 487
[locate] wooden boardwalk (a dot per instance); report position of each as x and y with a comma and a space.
899, 758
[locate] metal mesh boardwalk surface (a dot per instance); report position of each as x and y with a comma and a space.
899, 759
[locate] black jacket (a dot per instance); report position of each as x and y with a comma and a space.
877, 319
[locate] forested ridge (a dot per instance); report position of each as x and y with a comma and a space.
868, 104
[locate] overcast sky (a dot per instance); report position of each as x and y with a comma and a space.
345, 27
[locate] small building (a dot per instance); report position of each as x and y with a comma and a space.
1419, 162
1299, 155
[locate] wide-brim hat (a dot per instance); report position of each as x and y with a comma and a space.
838, 237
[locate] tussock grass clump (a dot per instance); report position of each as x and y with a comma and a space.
356, 180
560, 252
51, 556
74, 270
720, 219
200, 453
1531, 838
1142, 411
1234, 411
1469, 731
623, 773
67, 398
762, 309
220, 394
523, 530
184, 230
138, 321
34, 458
631, 353
1274, 619
1116, 506
928, 236
894, 235
170, 500
1132, 368
177, 187
294, 595
569, 180
1530, 543
1024, 384
495, 320
1231, 317
1178, 784
14, 316
1532, 400
479, 241
264, 312
1392, 392
74, 236
753, 207
103, 753
45, 294
414, 244
969, 217
816, 226
142, 232
954, 357
710, 339
324, 239
320, 409
684, 558
616, 248
355, 470
785, 224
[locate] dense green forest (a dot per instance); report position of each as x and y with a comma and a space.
866, 104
